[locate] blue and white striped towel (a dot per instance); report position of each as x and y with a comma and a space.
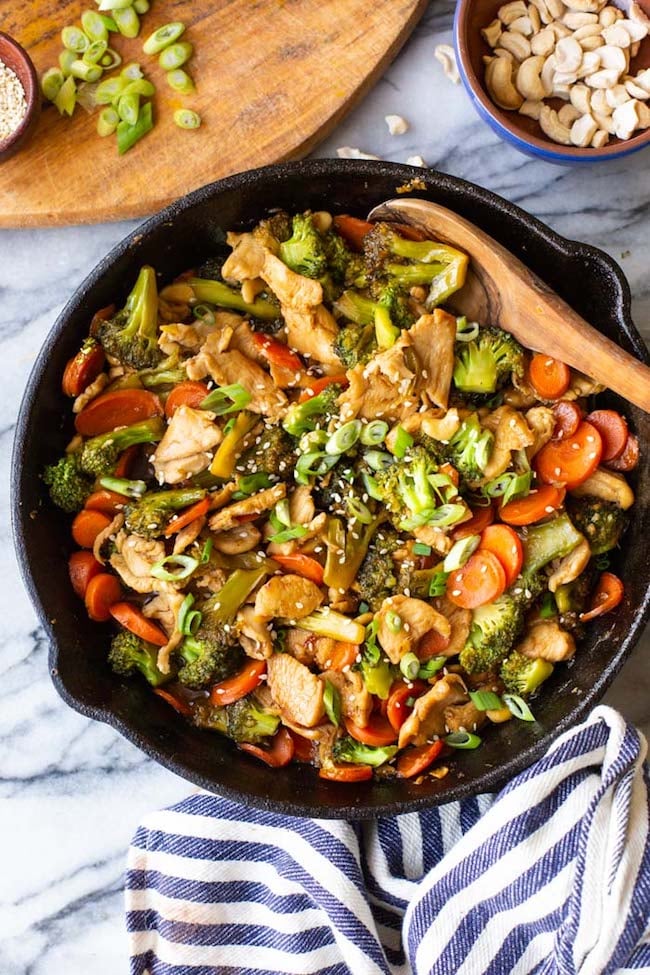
551, 876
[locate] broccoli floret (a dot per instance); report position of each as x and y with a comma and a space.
315, 412
223, 296
278, 225
152, 513
376, 579
129, 654
169, 372
273, 453
100, 454
213, 652
416, 494
304, 252
69, 486
601, 522
572, 599
132, 334
243, 721
342, 265
349, 750
469, 449
346, 549
333, 492
386, 311
521, 675
550, 540
355, 344
495, 627
487, 363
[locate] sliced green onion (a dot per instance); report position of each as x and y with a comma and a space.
179, 80
446, 514
602, 562
230, 425
204, 314
189, 620
226, 399
122, 485
110, 90
403, 441
111, 60
51, 83
94, 52
371, 486
548, 607
509, 486
94, 27
85, 72
410, 666
128, 22
438, 583
460, 552
112, 5
128, 108
86, 96
74, 39
187, 566
378, 460
132, 71
462, 739
207, 552
357, 509
420, 548
486, 700
128, 135
175, 55
163, 37
66, 98
141, 6
139, 86
431, 667
281, 513
394, 621
466, 331
518, 707
288, 534
332, 703
185, 118
66, 60
312, 440
252, 483
109, 23
374, 433
314, 464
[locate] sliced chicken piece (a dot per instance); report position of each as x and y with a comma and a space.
227, 368
569, 568
427, 718
312, 332
243, 538
464, 717
105, 534
247, 258
133, 561
511, 432
541, 421
402, 621
315, 528
231, 516
209, 578
189, 534
190, 338
187, 445
164, 608
608, 486
90, 392
546, 640
384, 388
460, 621
301, 505
356, 702
287, 597
297, 691
433, 338
439, 541
440, 424
582, 386
310, 649
291, 289
254, 634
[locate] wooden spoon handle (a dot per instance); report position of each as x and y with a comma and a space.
504, 291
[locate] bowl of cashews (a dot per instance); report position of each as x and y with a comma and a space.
564, 80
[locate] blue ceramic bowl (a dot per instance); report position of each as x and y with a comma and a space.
521, 132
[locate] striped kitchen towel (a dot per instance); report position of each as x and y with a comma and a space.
551, 876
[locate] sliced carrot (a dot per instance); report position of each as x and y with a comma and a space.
612, 428
186, 394
629, 458
572, 460
177, 703
82, 369
550, 377
397, 710
451, 473
568, 417
481, 518
343, 655
346, 773
608, 594
87, 526
302, 565
416, 760
481, 580
503, 542
432, 644
277, 353
127, 458
240, 684
303, 748
109, 503
317, 386
187, 517
540, 503
378, 731
352, 230
133, 619
119, 408
102, 592
278, 754
82, 566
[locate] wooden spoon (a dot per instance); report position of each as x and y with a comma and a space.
500, 290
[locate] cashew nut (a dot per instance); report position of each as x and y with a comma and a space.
522, 25
516, 44
562, 79
581, 98
605, 78
625, 119
552, 127
528, 79
510, 11
643, 113
575, 19
590, 64
498, 78
531, 109
583, 130
544, 13
635, 90
585, 6
617, 96
543, 43
589, 30
535, 19
559, 30
638, 15
636, 31
492, 33
568, 114
612, 58
600, 139
556, 7
599, 102
568, 55
591, 43
607, 17
643, 80
446, 56
548, 73
617, 35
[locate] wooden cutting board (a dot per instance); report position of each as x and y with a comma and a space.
273, 78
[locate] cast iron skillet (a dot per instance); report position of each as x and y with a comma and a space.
178, 238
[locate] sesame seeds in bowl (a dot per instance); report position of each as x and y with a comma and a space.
20, 102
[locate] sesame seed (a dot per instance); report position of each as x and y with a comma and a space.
557, 471
549, 509
575, 446
590, 438
455, 592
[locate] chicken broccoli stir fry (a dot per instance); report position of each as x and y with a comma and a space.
329, 518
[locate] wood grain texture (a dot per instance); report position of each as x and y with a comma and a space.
500, 290
273, 78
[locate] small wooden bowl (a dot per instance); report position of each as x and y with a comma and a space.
522, 132
16, 58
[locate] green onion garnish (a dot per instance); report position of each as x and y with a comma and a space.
204, 314
462, 739
127, 21
187, 566
602, 562
110, 90
128, 108
518, 707
357, 509
66, 97
109, 23
403, 441
332, 703
394, 621
163, 37
207, 552
438, 583
128, 135
486, 700
95, 52
281, 515
179, 80
175, 56
139, 86
466, 331
107, 121
344, 438
374, 433
419, 548
431, 667
111, 60
409, 666
85, 72
226, 399
371, 486
51, 83
141, 6
313, 464
74, 39
66, 59
189, 620
93, 25
121, 485
132, 71
378, 460
252, 483
460, 552
509, 486
288, 534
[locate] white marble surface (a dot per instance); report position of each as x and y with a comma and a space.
72, 791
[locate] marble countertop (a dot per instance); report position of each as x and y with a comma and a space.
72, 791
